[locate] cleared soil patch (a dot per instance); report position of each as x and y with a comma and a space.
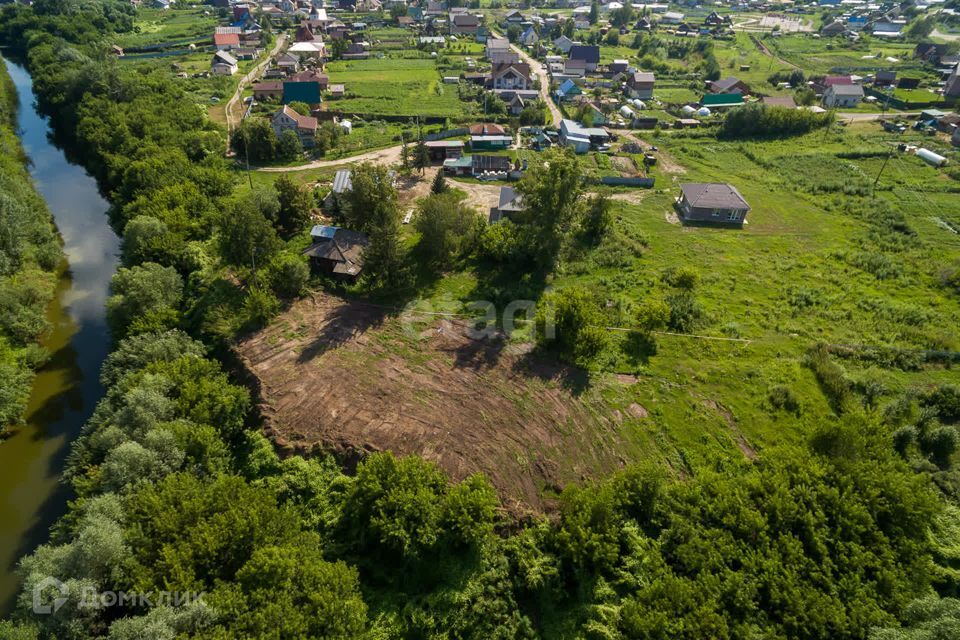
350, 378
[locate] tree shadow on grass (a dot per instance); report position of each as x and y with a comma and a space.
545, 366
345, 323
512, 294
639, 348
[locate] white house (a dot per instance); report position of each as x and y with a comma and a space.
843, 95
223, 64
580, 138
286, 119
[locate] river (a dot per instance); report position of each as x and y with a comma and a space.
67, 388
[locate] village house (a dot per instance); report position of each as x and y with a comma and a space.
835, 28
672, 17
514, 17
464, 23
842, 95
712, 202
516, 100
336, 251
441, 150
357, 51
722, 100
952, 88
510, 76
268, 90
529, 37
286, 119
931, 52
780, 101
509, 204
575, 68
640, 85
223, 64
563, 44
589, 54
288, 63
581, 139
226, 41
568, 90
477, 165
729, 85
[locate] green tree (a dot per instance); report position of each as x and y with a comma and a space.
300, 107
256, 136
289, 146
439, 183
147, 239
448, 228
246, 238
421, 156
143, 291
594, 15
296, 204
551, 191
598, 217
371, 202
570, 320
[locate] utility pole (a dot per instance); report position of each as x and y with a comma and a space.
246, 148
880, 173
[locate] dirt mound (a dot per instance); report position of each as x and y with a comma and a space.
352, 378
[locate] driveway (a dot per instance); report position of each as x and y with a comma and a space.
544, 77
234, 119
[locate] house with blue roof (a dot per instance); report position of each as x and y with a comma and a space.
568, 90
529, 37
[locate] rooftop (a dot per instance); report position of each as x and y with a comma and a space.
713, 195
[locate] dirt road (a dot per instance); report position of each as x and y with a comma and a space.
234, 118
544, 77
867, 117
388, 156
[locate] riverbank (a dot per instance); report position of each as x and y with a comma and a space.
29, 257
76, 340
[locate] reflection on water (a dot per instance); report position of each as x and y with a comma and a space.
67, 388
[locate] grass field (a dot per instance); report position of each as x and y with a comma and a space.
155, 26
392, 86
826, 55
782, 283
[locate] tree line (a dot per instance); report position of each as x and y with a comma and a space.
30, 255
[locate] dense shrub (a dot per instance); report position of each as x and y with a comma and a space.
760, 121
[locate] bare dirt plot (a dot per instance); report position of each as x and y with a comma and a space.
626, 166
349, 378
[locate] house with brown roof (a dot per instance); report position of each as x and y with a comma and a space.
715, 202
270, 90
780, 101
486, 129
464, 23
311, 75
729, 85
640, 85
336, 251
286, 119
511, 76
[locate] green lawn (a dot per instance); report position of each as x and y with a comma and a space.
156, 26
392, 86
